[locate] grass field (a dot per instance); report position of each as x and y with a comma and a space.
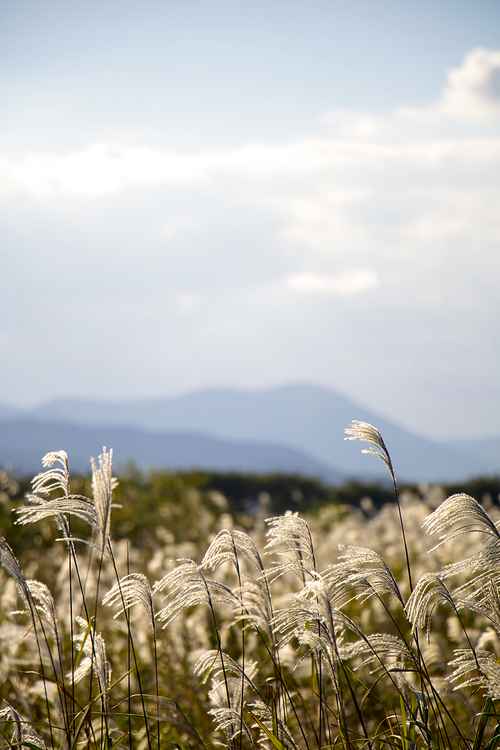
175, 621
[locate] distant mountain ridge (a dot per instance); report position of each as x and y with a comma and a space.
309, 419
23, 444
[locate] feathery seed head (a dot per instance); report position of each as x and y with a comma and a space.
290, 534
48, 481
312, 619
465, 665
11, 565
217, 663
228, 720
256, 605
45, 605
132, 589
272, 723
227, 545
94, 649
24, 735
188, 586
462, 509
96, 512
352, 575
103, 484
370, 435
429, 587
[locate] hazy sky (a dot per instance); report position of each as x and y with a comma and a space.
202, 193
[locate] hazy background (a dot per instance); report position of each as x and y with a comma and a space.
248, 194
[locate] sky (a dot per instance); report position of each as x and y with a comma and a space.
247, 194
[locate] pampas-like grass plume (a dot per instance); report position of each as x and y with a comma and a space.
132, 589
93, 648
271, 728
24, 735
429, 588
291, 535
227, 545
458, 515
465, 671
45, 605
187, 587
103, 484
464, 510
351, 575
369, 434
53, 479
9, 562
217, 663
96, 512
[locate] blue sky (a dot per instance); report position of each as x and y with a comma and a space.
244, 194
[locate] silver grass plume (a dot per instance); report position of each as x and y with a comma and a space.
379, 648
216, 663
427, 594
44, 604
79, 507
227, 693
485, 599
54, 479
9, 562
463, 510
466, 664
130, 590
271, 722
256, 605
316, 592
369, 434
94, 650
226, 546
49, 481
255, 596
227, 719
188, 586
314, 622
290, 534
486, 560
103, 484
351, 575
24, 735
96, 512
309, 616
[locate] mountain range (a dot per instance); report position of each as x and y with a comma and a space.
292, 429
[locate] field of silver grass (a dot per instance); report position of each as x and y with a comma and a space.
334, 631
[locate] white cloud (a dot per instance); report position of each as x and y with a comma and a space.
348, 282
103, 169
356, 124
100, 169
361, 141
472, 93
106, 168
389, 227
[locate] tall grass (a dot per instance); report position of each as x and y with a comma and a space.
276, 642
